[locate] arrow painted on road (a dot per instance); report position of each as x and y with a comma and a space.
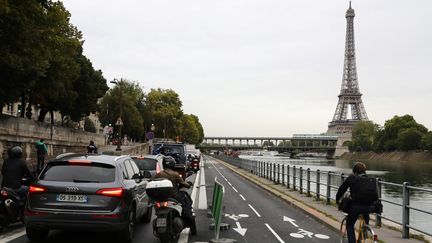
286, 219
240, 230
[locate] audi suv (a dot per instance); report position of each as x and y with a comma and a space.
87, 192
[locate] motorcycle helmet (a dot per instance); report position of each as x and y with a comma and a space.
169, 162
16, 152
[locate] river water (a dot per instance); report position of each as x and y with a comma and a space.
418, 174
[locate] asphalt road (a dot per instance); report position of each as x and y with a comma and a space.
256, 215
253, 214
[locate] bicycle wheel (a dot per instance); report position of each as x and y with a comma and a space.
366, 234
343, 232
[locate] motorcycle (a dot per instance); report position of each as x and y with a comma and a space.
195, 165
11, 206
171, 218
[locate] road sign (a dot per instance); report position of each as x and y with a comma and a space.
150, 135
119, 122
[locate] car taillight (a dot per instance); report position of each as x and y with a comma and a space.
375, 237
35, 189
158, 168
111, 192
80, 161
161, 204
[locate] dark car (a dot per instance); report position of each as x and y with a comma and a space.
152, 164
91, 193
177, 151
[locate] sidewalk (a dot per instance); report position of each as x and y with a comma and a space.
328, 215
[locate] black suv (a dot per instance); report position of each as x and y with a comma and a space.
87, 192
177, 151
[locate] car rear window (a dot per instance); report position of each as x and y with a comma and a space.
86, 173
146, 164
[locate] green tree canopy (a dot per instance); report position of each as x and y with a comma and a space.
409, 139
132, 97
363, 136
427, 142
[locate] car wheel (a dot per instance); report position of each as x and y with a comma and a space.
126, 235
34, 234
146, 218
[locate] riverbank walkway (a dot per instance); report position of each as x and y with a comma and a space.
327, 214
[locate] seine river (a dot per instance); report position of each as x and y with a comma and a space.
417, 174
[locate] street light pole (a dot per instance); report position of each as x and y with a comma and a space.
119, 121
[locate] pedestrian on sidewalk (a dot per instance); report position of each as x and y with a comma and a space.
41, 151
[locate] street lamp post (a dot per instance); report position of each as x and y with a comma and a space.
119, 122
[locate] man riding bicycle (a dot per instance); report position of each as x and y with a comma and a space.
363, 192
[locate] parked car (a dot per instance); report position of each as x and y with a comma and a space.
91, 193
149, 163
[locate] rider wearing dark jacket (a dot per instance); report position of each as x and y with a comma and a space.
177, 181
359, 206
14, 169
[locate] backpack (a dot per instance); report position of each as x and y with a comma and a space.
365, 190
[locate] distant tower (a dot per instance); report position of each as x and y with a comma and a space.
350, 96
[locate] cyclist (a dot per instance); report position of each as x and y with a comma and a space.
363, 193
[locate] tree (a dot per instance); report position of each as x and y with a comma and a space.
387, 140
132, 97
409, 139
89, 125
199, 127
363, 136
427, 142
189, 131
164, 109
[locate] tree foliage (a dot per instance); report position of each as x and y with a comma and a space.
427, 142
42, 62
400, 133
132, 98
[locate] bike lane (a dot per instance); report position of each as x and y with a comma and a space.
255, 215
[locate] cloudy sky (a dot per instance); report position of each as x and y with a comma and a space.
265, 67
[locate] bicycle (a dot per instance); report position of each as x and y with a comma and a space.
365, 233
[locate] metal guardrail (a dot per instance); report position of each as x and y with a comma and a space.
306, 180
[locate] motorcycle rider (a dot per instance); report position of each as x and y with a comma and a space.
91, 148
13, 170
177, 181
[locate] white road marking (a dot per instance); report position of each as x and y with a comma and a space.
286, 219
16, 234
234, 189
253, 209
184, 236
275, 234
244, 199
239, 229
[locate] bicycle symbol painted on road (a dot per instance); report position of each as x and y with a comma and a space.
304, 233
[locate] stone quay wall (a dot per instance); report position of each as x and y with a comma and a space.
24, 132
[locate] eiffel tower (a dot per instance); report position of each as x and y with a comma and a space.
350, 96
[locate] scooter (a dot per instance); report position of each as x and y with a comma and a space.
11, 206
170, 218
195, 165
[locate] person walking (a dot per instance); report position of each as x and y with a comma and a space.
363, 193
41, 151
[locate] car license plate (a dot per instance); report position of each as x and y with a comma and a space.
161, 222
71, 198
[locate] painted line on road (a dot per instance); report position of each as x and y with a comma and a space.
13, 236
274, 233
244, 199
256, 212
234, 189
184, 236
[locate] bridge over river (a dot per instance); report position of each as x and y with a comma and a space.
296, 144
